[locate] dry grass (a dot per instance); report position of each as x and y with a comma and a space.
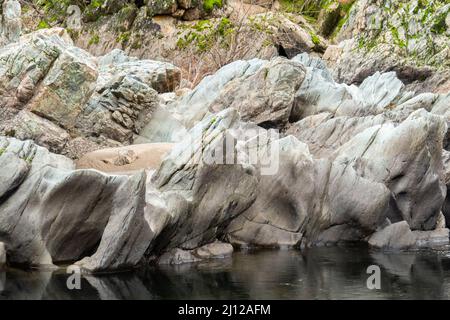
243, 43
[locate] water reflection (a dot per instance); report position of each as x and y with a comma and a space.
319, 273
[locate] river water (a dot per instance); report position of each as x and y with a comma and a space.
318, 273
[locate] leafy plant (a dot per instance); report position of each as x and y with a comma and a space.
95, 39
209, 5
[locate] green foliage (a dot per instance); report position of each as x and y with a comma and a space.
124, 37
95, 39
205, 33
262, 23
96, 4
2, 151
315, 38
74, 34
43, 25
439, 24
55, 6
29, 160
209, 5
398, 41
56, 10
93, 10
409, 25
345, 9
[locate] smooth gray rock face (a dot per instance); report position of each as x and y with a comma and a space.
320, 93
195, 106
354, 163
380, 171
51, 213
396, 236
330, 114
308, 202
200, 196
215, 250
408, 160
261, 91
162, 127
324, 133
127, 235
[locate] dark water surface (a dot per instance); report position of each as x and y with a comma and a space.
319, 273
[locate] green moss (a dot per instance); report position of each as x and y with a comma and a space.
137, 43
95, 39
315, 38
344, 16
2, 151
209, 5
205, 34
93, 10
266, 73
366, 44
397, 40
74, 34
439, 24
29, 160
124, 37
127, 13
43, 25
262, 23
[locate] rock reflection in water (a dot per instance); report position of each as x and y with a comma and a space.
319, 273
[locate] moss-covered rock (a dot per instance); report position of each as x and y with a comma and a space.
391, 35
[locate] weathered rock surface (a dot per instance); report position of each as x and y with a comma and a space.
201, 195
10, 21
408, 160
51, 213
432, 239
64, 99
310, 202
408, 37
216, 250
261, 91
362, 161
396, 236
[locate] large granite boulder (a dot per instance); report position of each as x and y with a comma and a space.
64, 99
310, 202
408, 160
261, 91
51, 213
408, 37
202, 192
397, 236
